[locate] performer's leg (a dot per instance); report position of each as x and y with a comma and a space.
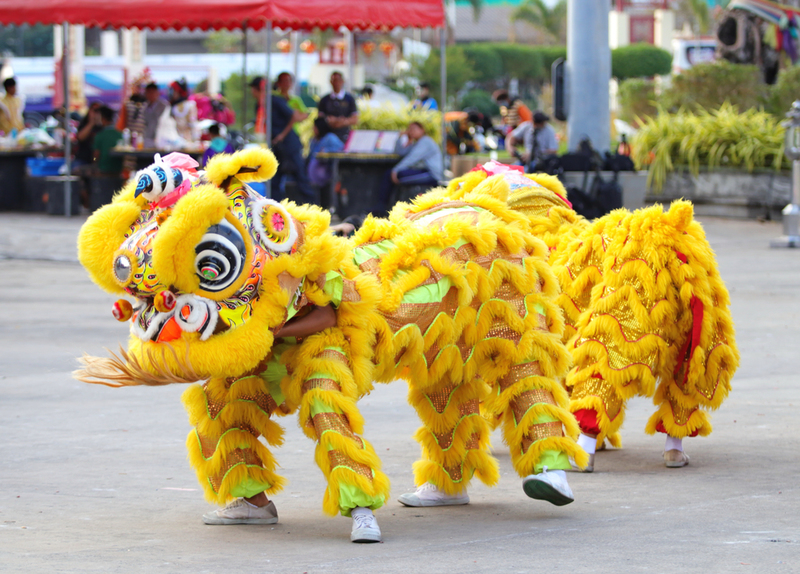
229, 415
523, 357
322, 382
454, 440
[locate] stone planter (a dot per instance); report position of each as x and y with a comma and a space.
729, 192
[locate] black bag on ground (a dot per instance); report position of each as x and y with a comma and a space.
618, 162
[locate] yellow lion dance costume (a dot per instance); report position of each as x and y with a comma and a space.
646, 312
452, 293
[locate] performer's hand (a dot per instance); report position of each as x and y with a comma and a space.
395, 179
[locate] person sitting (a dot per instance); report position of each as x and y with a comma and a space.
217, 144
11, 108
537, 138
104, 141
421, 164
424, 100
512, 109
319, 170
461, 131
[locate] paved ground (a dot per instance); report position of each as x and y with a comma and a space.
96, 480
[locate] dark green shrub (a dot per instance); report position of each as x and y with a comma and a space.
639, 61
637, 98
785, 91
710, 85
481, 101
519, 61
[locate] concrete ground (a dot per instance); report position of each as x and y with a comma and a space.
94, 479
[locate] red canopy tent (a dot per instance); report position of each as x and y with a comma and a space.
226, 14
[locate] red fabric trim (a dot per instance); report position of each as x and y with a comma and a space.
693, 338
587, 419
660, 428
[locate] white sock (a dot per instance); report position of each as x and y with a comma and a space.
673, 443
360, 510
587, 443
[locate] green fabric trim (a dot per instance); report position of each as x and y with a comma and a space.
249, 486
553, 460
334, 287
350, 497
433, 293
366, 252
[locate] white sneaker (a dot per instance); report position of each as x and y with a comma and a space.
550, 486
365, 526
242, 512
429, 495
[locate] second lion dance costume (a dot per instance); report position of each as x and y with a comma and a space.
646, 313
457, 293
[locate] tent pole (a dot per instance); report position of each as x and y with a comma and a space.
443, 80
268, 102
351, 40
67, 141
244, 76
296, 60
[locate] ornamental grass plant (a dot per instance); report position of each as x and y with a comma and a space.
724, 137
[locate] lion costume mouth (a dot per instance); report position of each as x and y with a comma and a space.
192, 314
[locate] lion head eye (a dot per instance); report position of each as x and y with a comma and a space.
122, 268
220, 257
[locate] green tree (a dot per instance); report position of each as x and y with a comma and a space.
27, 41
459, 70
551, 20
697, 12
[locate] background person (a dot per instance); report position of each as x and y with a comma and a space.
288, 150
512, 109
537, 138
283, 87
424, 99
184, 111
104, 141
338, 109
11, 108
152, 113
421, 164
217, 144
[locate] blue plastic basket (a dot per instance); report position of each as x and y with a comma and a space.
41, 167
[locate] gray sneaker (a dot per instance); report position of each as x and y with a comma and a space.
241, 512
429, 495
675, 458
550, 486
365, 527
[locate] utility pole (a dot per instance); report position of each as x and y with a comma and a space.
588, 74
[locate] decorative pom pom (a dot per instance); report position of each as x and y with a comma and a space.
122, 310
164, 301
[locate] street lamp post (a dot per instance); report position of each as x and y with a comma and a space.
791, 213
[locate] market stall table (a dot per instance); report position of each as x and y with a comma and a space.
355, 181
12, 175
